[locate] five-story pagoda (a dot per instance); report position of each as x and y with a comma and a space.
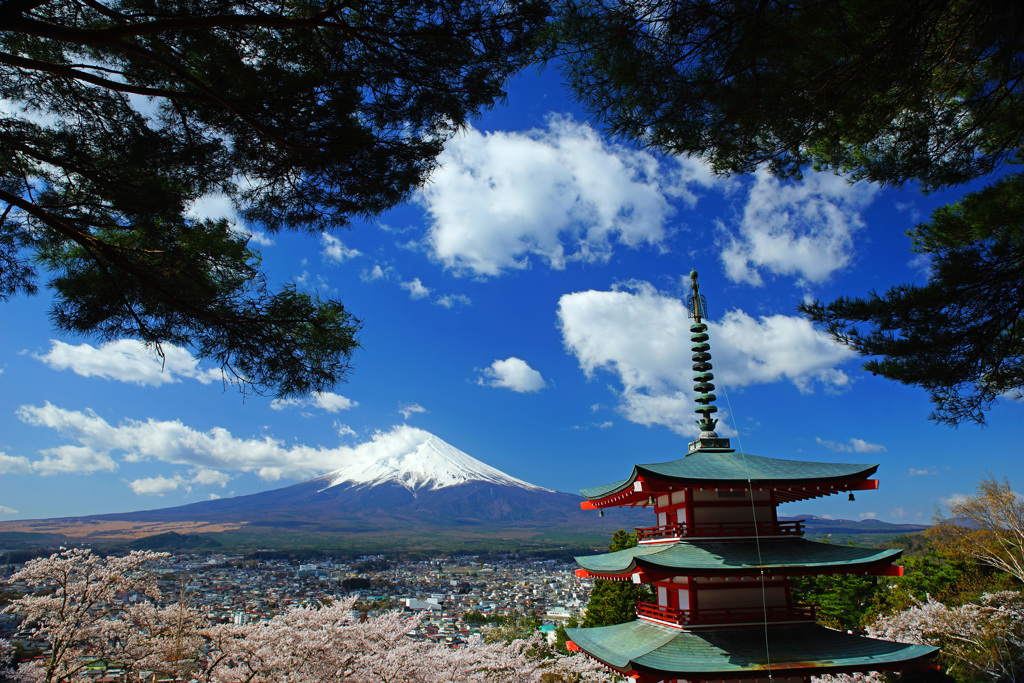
722, 563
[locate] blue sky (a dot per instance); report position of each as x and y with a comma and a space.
525, 307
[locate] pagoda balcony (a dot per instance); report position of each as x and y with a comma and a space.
686, 618
672, 532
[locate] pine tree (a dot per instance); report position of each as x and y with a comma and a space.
120, 114
922, 91
614, 602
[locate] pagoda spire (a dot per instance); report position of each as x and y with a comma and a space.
702, 375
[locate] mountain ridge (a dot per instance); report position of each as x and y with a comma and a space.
425, 488
420, 491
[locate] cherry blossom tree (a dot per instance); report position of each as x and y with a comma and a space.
6, 650
984, 640
77, 606
78, 609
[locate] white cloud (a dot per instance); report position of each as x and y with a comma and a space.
560, 194
211, 454
802, 228
159, 485
954, 499
343, 429
512, 373
155, 486
326, 401
922, 473
68, 459
642, 336
407, 409
898, 513
921, 264
869, 515
855, 446
453, 300
7, 511
335, 250
378, 272
127, 360
14, 464
208, 477
416, 289
216, 206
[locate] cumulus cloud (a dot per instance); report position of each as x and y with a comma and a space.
127, 360
335, 250
378, 272
208, 477
66, 459
14, 464
154, 486
642, 336
512, 373
70, 459
211, 454
498, 201
854, 446
407, 409
326, 401
802, 228
4, 510
159, 485
416, 289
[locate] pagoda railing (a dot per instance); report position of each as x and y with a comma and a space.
724, 615
665, 532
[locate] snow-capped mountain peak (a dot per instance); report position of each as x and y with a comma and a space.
416, 459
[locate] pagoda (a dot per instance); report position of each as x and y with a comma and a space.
722, 564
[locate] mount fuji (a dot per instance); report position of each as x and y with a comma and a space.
424, 493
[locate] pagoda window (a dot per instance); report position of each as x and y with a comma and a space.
735, 597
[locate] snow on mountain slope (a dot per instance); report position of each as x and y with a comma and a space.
416, 459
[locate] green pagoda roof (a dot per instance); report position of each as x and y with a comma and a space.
724, 558
725, 652
736, 468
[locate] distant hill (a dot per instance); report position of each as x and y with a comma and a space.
174, 541
865, 532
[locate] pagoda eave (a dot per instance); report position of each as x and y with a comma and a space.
652, 574
644, 489
711, 558
660, 652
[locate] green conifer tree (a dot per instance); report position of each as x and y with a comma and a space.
614, 602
